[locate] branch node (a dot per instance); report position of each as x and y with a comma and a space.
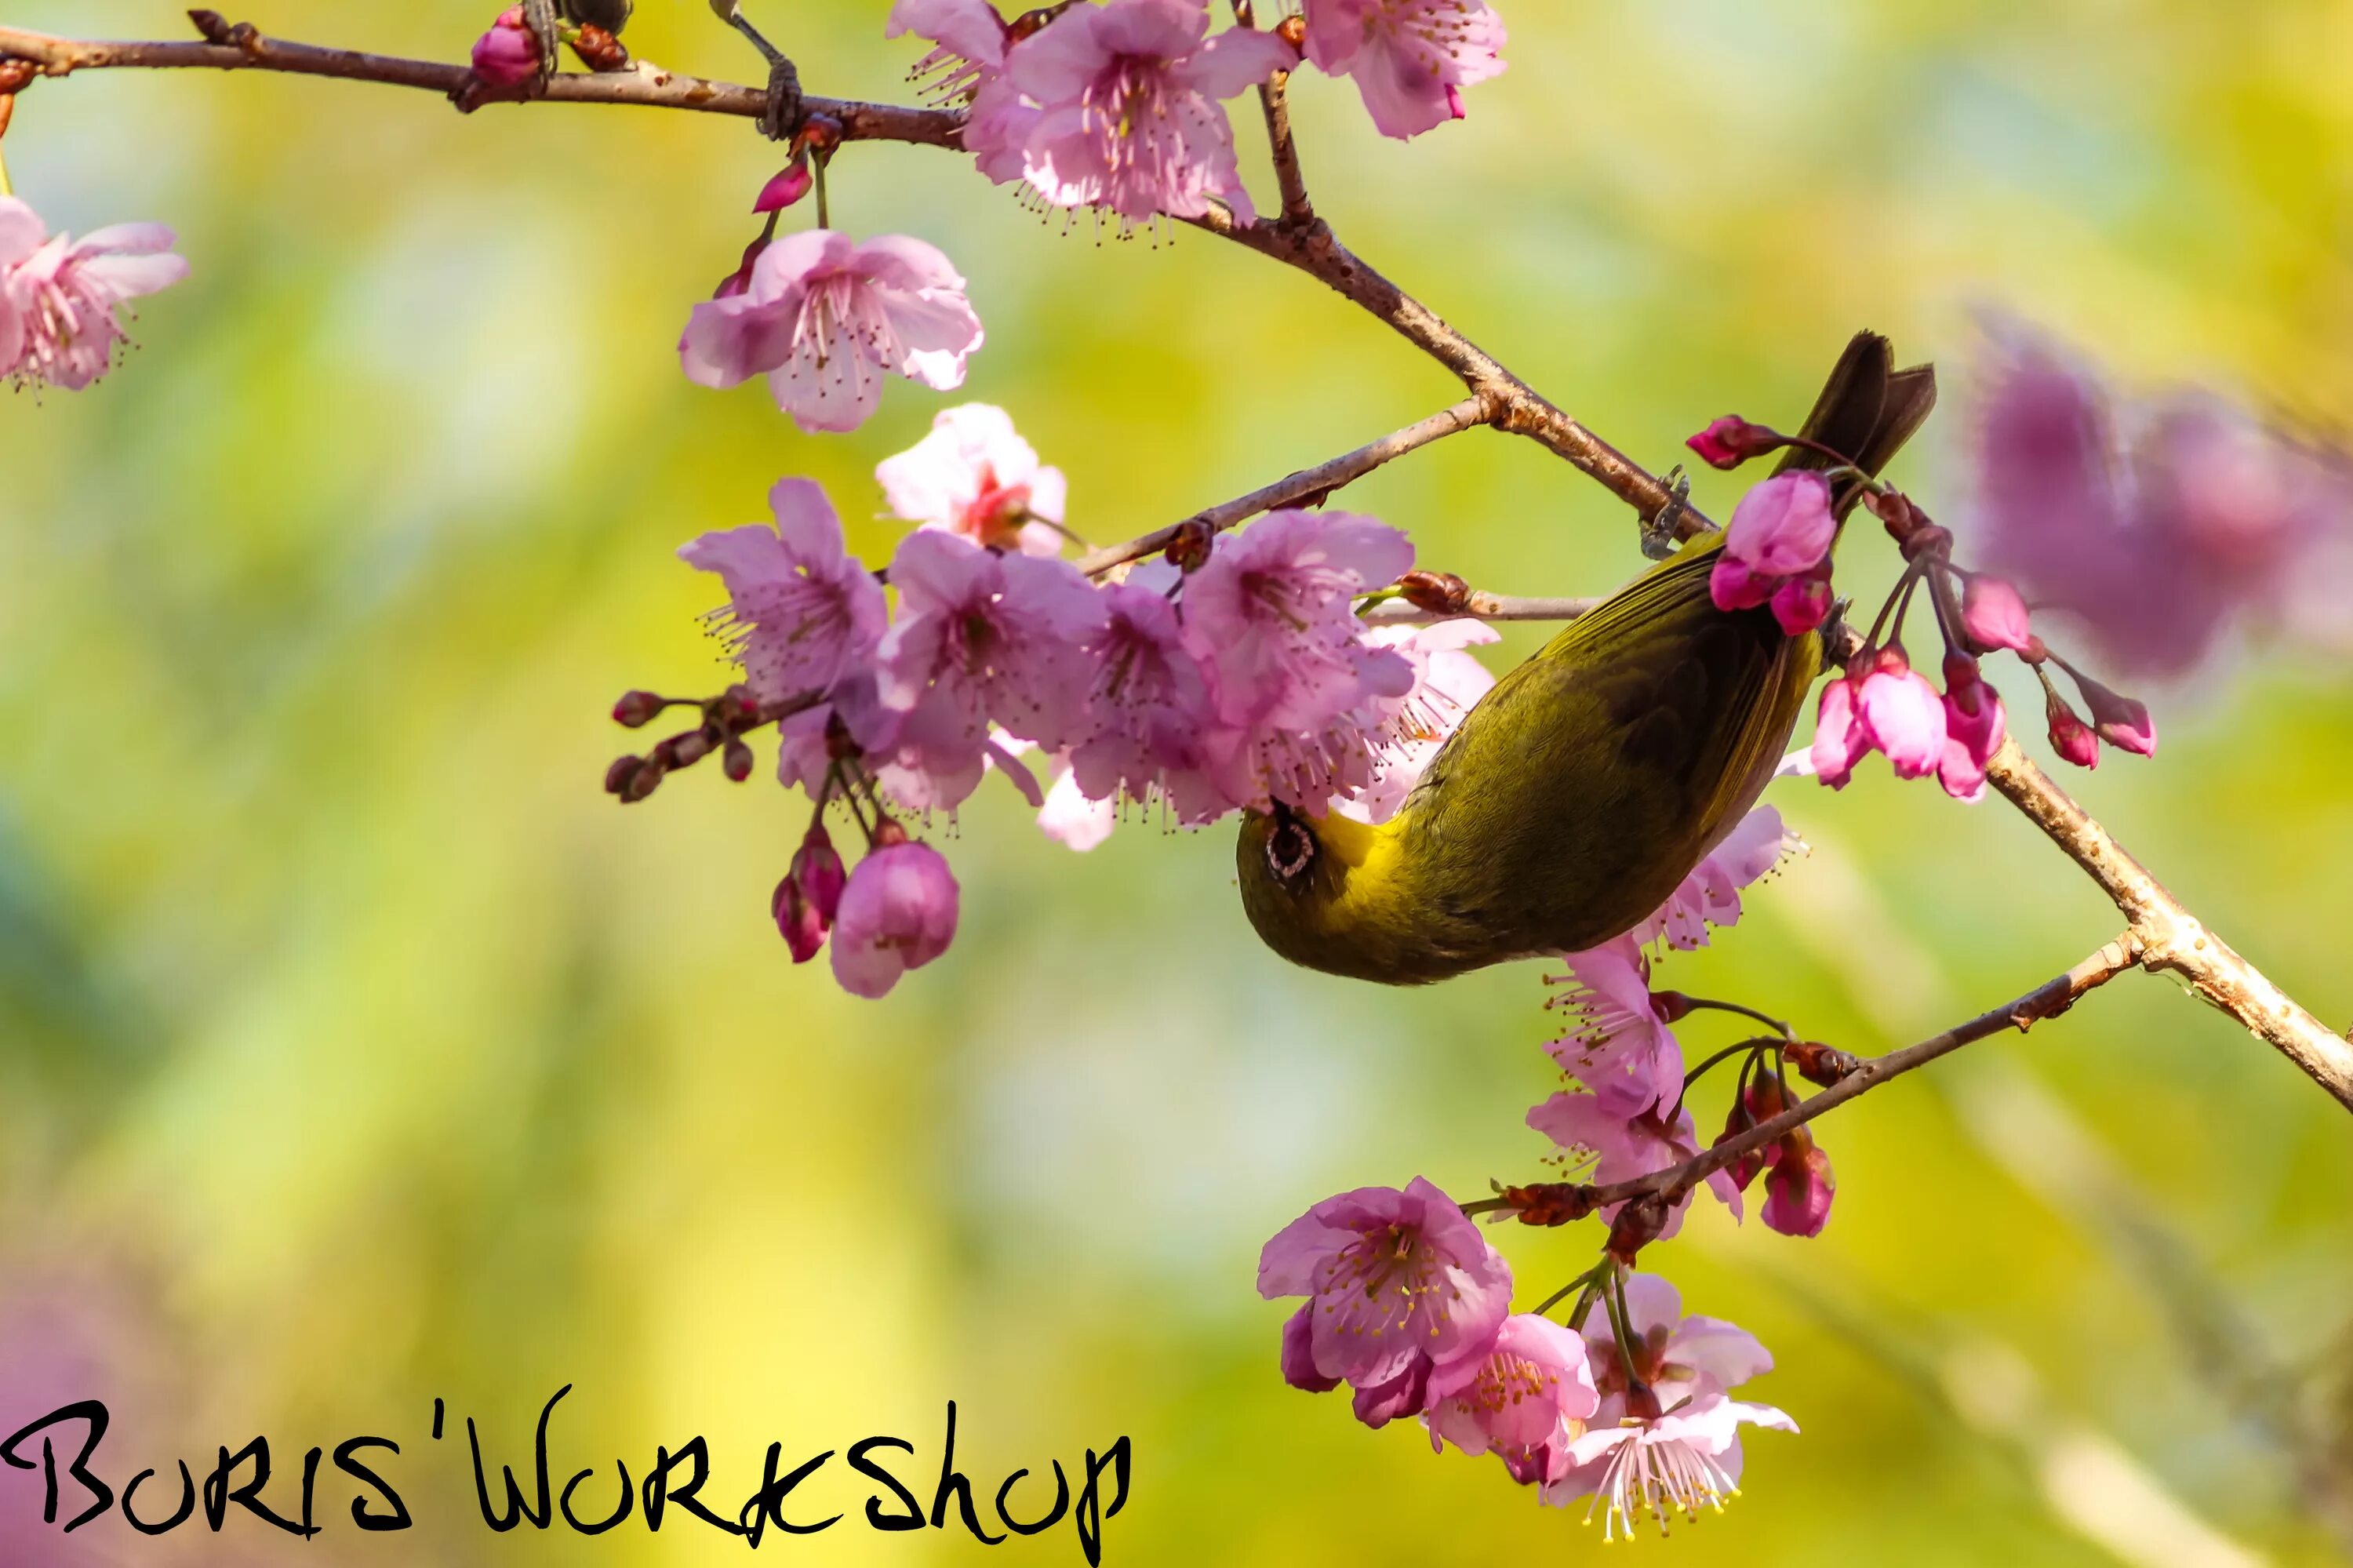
212, 24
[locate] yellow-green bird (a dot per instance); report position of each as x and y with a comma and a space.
1590, 780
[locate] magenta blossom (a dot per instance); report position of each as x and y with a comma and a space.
973, 474
968, 38
1395, 1281
1409, 59
1777, 550
1900, 714
1710, 896
1525, 1401
1799, 1188
1620, 1147
2123, 722
1665, 1435
60, 298
982, 637
1974, 728
2071, 737
1619, 1047
507, 55
809, 898
784, 189
1730, 441
823, 318
1995, 616
897, 912
1129, 97
802, 611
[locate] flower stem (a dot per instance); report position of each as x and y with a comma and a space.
5, 188
1775, 1024
824, 212
1557, 1296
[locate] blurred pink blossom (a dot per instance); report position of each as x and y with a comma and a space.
897, 912
1525, 1401
1130, 114
1621, 1148
823, 318
1149, 702
1994, 615
802, 612
1448, 682
1710, 896
60, 298
969, 40
1409, 59
1900, 714
982, 637
973, 474
1396, 1281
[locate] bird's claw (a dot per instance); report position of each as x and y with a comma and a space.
1658, 530
540, 19
781, 120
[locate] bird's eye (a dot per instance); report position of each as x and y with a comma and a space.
1290, 850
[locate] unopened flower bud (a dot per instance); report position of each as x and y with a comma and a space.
797, 921
1440, 593
1732, 440
599, 50
888, 832
508, 55
1640, 1221
2121, 721
1926, 538
1994, 615
684, 749
643, 782
1293, 30
2071, 737
636, 709
819, 133
738, 708
1803, 604
1549, 1202
1799, 1189
818, 872
1643, 1404
1819, 1063
736, 762
739, 280
791, 183
16, 75
1670, 1006
1894, 509
1189, 550
618, 777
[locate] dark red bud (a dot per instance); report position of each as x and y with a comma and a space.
889, 834
737, 762
738, 707
819, 133
686, 749
618, 777
636, 709
1732, 440
1293, 30
1639, 1223
1189, 551
1643, 1404
1440, 593
1029, 21
1550, 1203
1894, 509
16, 75
1927, 539
1670, 1006
643, 782
1818, 1063
599, 50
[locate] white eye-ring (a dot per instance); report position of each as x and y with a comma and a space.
1290, 849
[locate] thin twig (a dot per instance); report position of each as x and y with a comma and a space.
1479, 606
1288, 178
1309, 485
2046, 1001
2172, 940
644, 84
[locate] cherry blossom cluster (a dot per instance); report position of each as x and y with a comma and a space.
1627, 1408
1777, 551
62, 300
1241, 677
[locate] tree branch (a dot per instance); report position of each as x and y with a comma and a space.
1479, 605
2048, 1000
646, 85
1308, 485
2170, 939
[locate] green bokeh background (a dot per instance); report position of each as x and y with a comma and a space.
354, 1049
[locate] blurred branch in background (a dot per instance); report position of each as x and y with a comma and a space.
2040, 1142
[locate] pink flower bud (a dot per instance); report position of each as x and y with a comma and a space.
1799, 1189
507, 55
1839, 742
1995, 616
796, 920
2071, 737
2121, 721
1299, 1353
1803, 604
1783, 528
1901, 715
790, 183
818, 869
1732, 440
897, 912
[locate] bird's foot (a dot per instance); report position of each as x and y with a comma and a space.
781, 120
538, 18
1658, 530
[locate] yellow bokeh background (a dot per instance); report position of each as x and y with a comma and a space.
354, 1050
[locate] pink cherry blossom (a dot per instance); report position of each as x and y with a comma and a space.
1799, 1188
1129, 95
823, 318
1448, 682
802, 611
1710, 896
61, 299
982, 637
973, 474
1664, 1434
507, 55
1409, 59
1299, 1352
1995, 615
809, 898
1069, 816
1839, 740
2123, 722
1395, 1279
1901, 715
1270, 616
1620, 1147
1974, 728
1777, 551
1619, 1047
1148, 704
969, 40
897, 912
1525, 1401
